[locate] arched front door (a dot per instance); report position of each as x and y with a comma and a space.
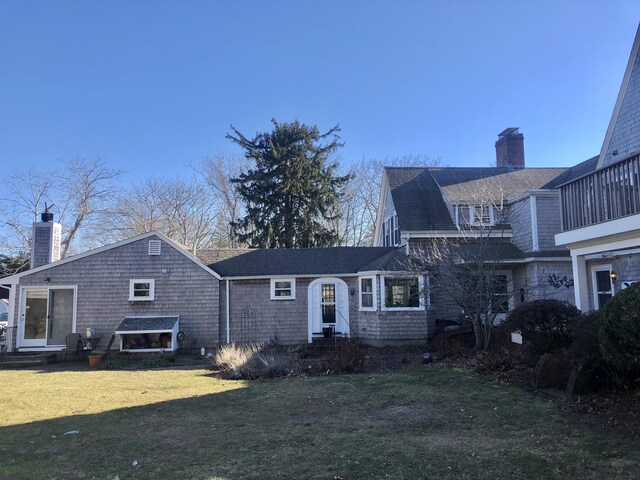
328, 306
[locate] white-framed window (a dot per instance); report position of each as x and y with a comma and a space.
396, 234
283, 289
367, 293
474, 215
142, 290
402, 292
155, 247
482, 214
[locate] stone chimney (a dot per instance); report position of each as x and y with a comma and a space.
510, 149
45, 244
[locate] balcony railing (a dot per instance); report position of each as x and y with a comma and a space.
606, 194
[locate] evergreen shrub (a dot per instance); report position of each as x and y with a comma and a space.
544, 324
619, 330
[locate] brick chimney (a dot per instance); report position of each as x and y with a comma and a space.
510, 149
45, 244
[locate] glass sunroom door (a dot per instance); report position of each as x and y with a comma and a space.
34, 318
60, 319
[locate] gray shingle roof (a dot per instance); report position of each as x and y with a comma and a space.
417, 199
300, 261
501, 187
486, 252
417, 192
132, 324
583, 168
396, 261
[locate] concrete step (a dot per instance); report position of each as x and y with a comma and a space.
26, 360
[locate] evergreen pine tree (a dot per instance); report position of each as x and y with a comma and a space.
291, 195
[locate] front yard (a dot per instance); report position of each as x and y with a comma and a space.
187, 424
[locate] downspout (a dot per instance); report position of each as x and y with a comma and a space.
228, 310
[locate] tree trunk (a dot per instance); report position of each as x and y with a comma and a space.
479, 334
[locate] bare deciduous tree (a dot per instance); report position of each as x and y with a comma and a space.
216, 171
179, 209
87, 188
359, 206
79, 190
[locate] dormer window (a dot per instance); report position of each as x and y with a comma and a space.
474, 215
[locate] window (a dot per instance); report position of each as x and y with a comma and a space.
283, 289
481, 215
397, 232
388, 232
402, 293
155, 247
368, 294
467, 215
141, 290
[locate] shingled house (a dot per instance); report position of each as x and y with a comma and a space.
601, 208
147, 289
513, 208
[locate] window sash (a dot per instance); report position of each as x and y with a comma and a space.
141, 289
402, 293
283, 289
367, 293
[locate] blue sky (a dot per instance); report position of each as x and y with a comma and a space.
152, 85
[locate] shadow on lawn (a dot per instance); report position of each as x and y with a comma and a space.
362, 426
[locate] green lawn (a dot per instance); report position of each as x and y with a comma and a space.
186, 424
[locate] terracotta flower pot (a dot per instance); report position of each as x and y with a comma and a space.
94, 361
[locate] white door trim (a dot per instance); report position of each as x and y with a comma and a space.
342, 305
21, 312
594, 284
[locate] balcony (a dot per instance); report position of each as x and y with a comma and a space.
607, 194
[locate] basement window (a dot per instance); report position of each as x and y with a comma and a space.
141, 290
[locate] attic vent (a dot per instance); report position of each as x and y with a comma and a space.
154, 247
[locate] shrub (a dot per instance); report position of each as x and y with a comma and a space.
457, 343
252, 361
619, 330
584, 339
347, 357
156, 361
114, 362
544, 324
494, 361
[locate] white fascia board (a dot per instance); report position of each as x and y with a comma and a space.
609, 254
384, 187
604, 247
267, 277
598, 233
457, 234
14, 279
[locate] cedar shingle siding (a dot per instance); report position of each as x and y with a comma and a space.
181, 288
